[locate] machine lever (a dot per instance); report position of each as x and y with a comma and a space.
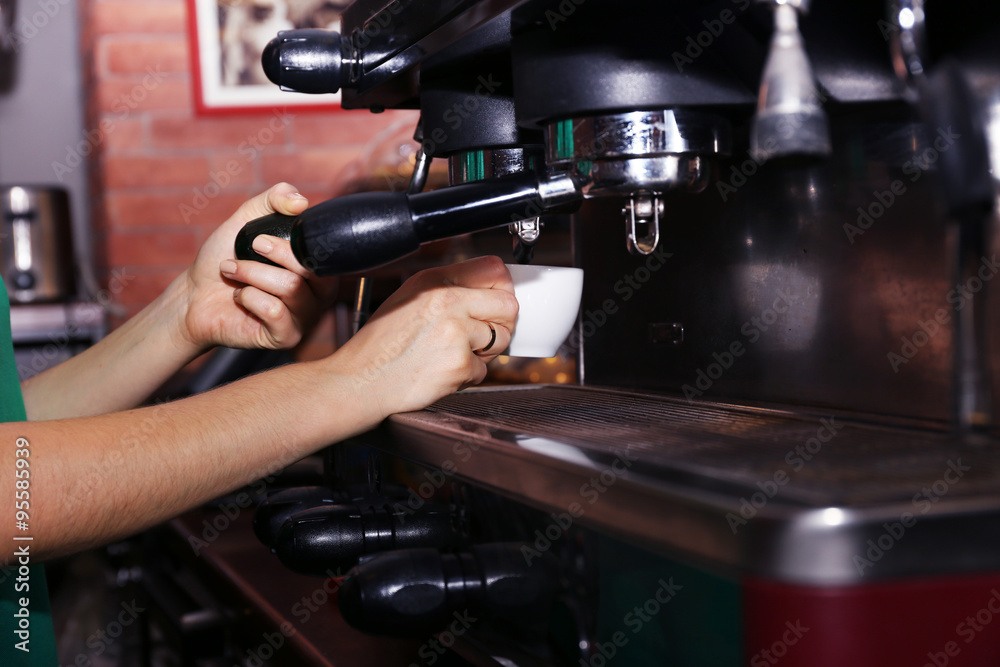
419, 591
329, 538
279, 507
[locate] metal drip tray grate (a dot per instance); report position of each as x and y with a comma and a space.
828, 461
694, 467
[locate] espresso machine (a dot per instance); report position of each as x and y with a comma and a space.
782, 445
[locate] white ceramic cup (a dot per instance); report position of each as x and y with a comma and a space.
549, 299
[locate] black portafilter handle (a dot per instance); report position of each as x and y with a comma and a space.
333, 538
362, 231
279, 507
275, 224
420, 591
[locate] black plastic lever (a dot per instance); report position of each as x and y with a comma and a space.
419, 591
279, 507
334, 537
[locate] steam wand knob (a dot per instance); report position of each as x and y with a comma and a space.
306, 61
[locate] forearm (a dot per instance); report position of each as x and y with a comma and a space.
100, 478
120, 371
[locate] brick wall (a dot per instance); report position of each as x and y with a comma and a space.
156, 166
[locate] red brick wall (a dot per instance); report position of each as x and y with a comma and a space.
156, 164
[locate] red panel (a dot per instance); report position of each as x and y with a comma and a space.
952, 622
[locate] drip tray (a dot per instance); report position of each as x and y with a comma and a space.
767, 492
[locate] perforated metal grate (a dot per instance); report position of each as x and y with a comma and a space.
714, 445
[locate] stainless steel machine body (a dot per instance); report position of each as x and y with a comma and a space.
789, 343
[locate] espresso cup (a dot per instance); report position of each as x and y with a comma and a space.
549, 299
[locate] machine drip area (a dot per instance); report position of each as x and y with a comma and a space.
787, 348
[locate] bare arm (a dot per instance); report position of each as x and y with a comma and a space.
255, 306
98, 478
121, 370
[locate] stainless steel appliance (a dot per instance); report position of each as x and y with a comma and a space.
36, 244
784, 431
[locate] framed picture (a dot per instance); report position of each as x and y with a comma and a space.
227, 38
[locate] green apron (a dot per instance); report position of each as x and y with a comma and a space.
41, 639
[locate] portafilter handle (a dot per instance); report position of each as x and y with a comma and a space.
362, 231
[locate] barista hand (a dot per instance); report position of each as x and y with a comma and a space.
425, 341
255, 306
247, 304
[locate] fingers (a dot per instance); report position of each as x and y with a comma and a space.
486, 272
285, 283
281, 198
479, 288
489, 344
490, 340
280, 326
280, 252
489, 305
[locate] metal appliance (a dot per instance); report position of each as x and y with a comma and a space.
36, 244
783, 443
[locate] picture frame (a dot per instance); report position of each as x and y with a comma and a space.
227, 38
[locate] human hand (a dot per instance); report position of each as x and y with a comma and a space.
248, 304
426, 340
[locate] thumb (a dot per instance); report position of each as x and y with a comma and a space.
281, 198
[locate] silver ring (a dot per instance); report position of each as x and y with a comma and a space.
493, 338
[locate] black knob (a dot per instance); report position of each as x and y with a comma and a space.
274, 224
304, 61
333, 537
279, 507
23, 280
419, 591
